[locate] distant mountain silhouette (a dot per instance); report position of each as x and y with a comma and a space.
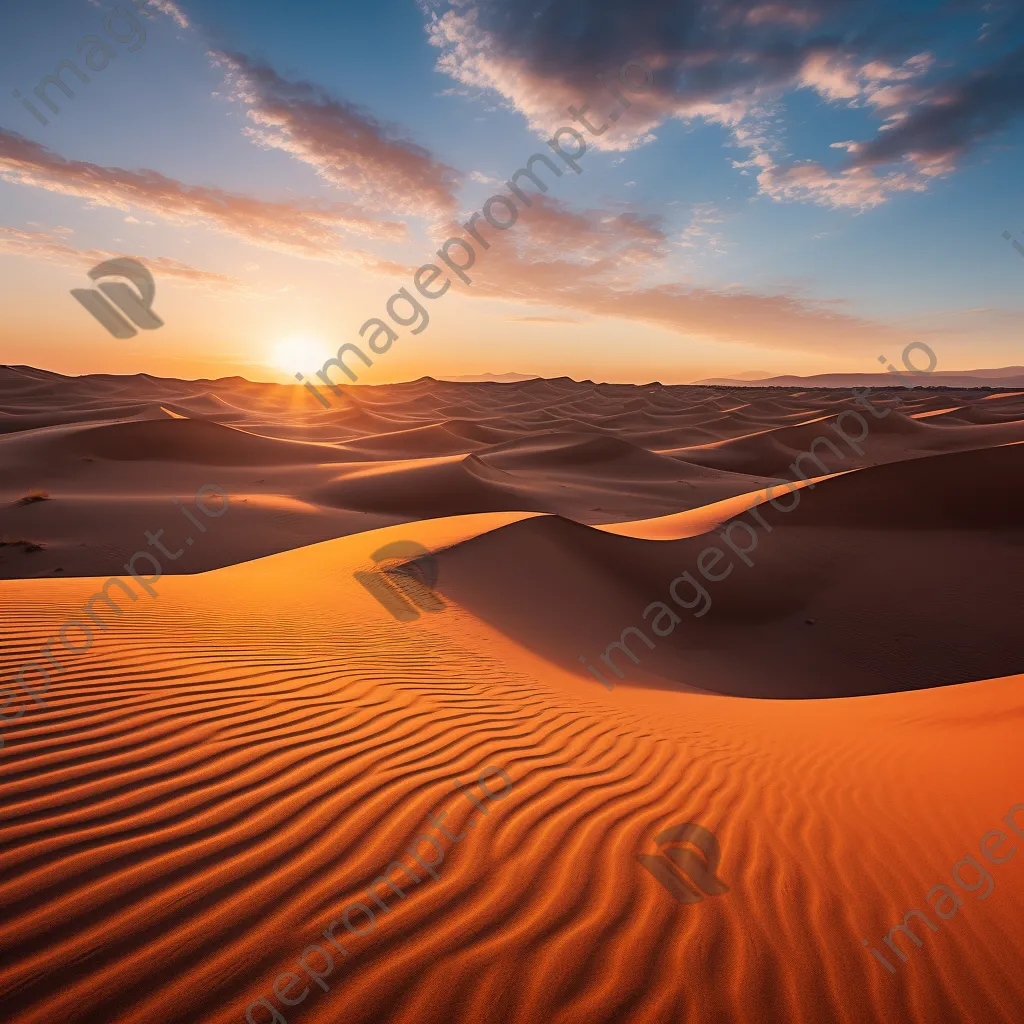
1005, 377
501, 378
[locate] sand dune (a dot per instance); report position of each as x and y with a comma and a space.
212, 777
203, 796
421, 488
592, 453
829, 606
437, 439
188, 440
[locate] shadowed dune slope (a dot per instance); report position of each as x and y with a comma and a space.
587, 454
885, 579
897, 436
972, 490
416, 442
425, 488
192, 440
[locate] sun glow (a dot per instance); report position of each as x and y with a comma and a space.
298, 355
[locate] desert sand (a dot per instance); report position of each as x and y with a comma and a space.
234, 760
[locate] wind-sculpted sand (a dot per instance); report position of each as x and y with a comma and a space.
233, 762
110, 451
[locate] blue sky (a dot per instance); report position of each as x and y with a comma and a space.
803, 185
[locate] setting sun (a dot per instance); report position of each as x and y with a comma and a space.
297, 354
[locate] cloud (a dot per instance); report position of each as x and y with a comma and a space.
544, 319
172, 10
782, 14
44, 246
552, 228
298, 227
594, 263
713, 60
832, 75
699, 235
927, 131
483, 179
858, 188
729, 62
781, 321
345, 143
782, 178
950, 118
168, 7
587, 261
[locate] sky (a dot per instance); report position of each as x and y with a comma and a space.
796, 186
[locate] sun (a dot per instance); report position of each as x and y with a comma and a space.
298, 355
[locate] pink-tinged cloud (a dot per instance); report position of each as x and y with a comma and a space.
783, 14
841, 76
44, 246
476, 57
834, 76
950, 118
167, 7
928, 128
299, 227
698, 235
711, 59
729, 61
773, 321
588, 262
848, 185
551, 228
172, 10
544, 319
856, 188
345, 144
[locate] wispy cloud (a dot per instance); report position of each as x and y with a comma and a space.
700, 235
45, 246
597, 264
484, 179
346, 144
172, 10
301, 227
544, 319
167, 7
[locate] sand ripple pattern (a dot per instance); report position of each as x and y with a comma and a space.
213, 782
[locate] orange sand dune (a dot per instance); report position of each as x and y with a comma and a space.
252, 794
226, 770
